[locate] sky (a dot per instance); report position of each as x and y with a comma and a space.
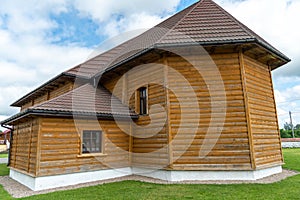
41, 39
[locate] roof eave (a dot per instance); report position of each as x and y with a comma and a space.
273, 51
67, 114
22, 99
237, 42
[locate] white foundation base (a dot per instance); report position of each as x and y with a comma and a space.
47, 182
173, 176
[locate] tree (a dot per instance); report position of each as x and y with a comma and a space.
297, 127
287, 126
285, 133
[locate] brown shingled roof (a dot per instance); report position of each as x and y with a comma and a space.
203, 22
85, 101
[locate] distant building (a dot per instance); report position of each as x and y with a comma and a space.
4, 136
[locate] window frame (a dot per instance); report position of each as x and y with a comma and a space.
101, 142
138, 101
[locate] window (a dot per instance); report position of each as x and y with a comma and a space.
143, 100
92, 142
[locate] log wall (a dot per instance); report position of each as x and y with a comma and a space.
230, 145
60, 148
263, 116
24, 147
61, 89
149, 142
237, 131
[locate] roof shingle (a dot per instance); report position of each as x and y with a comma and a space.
86, 99
203, 22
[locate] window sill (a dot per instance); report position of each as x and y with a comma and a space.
89, 155
144, 115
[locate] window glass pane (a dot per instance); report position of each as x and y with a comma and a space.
91, 141
143, 100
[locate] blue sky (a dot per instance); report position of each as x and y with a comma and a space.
40, 39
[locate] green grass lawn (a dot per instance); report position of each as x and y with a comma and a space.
286, 189
3, 170
3, 155
292, 159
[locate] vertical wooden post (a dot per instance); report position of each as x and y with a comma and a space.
168, 108
38, 150
125, 89
71, 86
247, 109
16, 144
130, 150
278, 130
29, 148
48, 95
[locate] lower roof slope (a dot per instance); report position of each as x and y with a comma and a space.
85, 101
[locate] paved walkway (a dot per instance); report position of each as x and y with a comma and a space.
3, 160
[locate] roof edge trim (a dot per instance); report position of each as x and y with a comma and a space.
45, 113
221, 42
64, 74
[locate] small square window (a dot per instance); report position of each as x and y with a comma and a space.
92, 142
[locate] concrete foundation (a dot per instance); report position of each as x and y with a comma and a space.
47, 182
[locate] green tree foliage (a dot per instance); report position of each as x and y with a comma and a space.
287, 126
286, 132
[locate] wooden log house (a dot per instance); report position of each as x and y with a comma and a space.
127, 111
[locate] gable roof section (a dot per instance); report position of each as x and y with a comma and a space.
85, 101
204, 22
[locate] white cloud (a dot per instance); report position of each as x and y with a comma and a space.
30, 16
8, 95
133, 22
288, 99
122, 16
103, 11
276, 21
28, 54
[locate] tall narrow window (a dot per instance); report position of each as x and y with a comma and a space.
92, 142
143, 100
